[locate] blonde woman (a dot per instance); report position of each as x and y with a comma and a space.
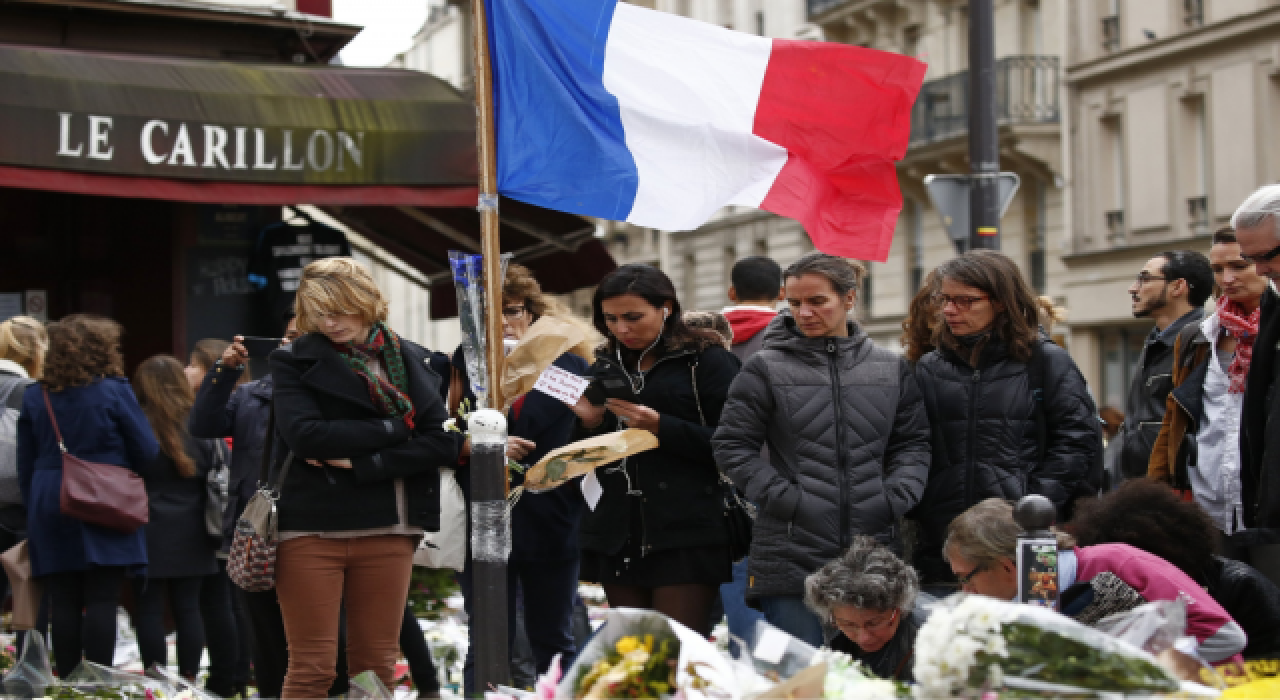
361, 412
23, 343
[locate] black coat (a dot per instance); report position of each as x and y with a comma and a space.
1260, 431
848, 449
224, 410
984, 437
1252, 600
681, 506
1145, 403
178, 545
324, 411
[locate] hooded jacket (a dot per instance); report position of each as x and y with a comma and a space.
848, 449
984, 437
748, 324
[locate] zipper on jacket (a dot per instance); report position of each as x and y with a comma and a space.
1151, 380
844, 496
973, 434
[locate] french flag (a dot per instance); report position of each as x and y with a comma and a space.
611, 110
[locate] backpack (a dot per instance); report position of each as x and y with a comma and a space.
10, 409
217, 494
1035, 378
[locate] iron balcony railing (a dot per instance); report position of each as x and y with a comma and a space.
1193, 13
1115, 226
1111, 33
1026, 93
1198, 214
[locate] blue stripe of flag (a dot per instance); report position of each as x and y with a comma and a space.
560, 138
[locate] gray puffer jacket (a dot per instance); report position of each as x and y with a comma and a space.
848, 445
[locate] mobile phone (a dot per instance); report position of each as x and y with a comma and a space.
260, 347
617, 388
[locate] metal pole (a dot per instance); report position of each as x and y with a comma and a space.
984, 137
490, 537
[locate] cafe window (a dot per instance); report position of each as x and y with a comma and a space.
1121, 348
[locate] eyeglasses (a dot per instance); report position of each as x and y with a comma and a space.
852, 630
966, 579
513, 312
1261, 257
963, 303
1144, 277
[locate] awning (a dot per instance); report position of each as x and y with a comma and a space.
389, 152
328, 129
561, 249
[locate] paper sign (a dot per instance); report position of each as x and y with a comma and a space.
772, 645
592, 490
566, 386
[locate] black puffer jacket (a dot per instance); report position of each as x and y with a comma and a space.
984, 438
848, 449
178, 545
1252, 600
678, 479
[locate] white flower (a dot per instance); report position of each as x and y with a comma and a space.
997, 646
995, 676
450, 425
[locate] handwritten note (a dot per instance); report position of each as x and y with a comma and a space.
566, 386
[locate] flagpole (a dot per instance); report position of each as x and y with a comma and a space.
488, 462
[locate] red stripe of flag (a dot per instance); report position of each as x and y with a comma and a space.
844, 115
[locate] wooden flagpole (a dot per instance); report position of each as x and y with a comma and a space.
488, 462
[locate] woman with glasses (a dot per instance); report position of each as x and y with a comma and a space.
873, 599
1009, 411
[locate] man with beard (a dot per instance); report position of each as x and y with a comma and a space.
1171, 290
1255, 225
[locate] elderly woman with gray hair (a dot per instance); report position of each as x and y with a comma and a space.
873, 598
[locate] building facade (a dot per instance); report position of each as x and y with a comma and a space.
1172, 120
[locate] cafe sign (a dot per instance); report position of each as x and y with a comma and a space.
203, 120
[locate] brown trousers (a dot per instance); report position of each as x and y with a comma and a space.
314, 576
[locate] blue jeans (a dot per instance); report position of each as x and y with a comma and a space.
742, 619
789, 614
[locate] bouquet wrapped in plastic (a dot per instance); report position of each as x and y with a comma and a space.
973, 644
468, 280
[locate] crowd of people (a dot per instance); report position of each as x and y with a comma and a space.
880, 481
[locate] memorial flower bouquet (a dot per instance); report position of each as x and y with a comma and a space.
973, 644
636, 667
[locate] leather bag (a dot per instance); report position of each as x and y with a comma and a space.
739, 513
100, 494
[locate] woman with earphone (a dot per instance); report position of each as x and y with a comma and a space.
657, 537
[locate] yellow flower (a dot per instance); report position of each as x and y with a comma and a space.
627, 645
1268, 688
648, 643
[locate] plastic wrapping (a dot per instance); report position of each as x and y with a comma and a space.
97, 681
468, 280
490, 531
367, 686
179, 683
974, 643
33, 672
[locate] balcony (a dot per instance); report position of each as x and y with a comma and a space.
1111, 33
1115, 226
1026, 93
1198, 215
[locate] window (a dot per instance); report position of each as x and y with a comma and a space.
690, 282
1196, 152
915, 246
1121, 348
684, 8
761, 248
911, 40
726, 13
1113, 144
865, 293
730, 257
1036, 236
759, 24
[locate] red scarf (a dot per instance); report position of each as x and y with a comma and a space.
1244, 328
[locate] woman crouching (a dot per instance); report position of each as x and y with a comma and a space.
873, 598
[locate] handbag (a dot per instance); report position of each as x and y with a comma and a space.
216, 490
739, 513
446, 549
251, 564
100, 494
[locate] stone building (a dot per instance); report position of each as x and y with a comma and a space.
1172, 123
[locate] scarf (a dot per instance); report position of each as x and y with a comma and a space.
389, 397
1244, 328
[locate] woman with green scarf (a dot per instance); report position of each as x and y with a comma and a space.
360, 411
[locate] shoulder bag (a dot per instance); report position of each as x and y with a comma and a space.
100, 494
739, 514
251, 564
